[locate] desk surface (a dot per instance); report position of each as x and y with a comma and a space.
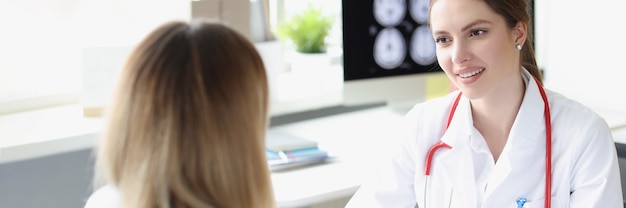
348, 137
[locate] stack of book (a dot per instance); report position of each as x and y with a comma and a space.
284, 151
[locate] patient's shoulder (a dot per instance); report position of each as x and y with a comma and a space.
104, 197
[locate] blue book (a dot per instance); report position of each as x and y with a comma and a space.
294, 158
277, 141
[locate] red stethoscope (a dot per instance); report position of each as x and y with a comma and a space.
546, 113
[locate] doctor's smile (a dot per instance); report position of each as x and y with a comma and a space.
500, 139
470, 74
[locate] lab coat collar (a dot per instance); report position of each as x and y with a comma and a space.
461, 123
526, 139
528, 131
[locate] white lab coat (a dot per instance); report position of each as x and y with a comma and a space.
585, 170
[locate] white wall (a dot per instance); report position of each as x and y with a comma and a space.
582, 49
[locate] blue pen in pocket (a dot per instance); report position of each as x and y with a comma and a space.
520, 202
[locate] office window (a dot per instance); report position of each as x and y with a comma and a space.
38, 50
42, 41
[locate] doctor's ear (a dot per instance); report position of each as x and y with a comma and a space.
519, 32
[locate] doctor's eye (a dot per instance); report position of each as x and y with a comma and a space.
442, 40
478, 32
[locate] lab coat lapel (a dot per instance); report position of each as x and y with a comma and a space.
524, 148
453, 175
499, 173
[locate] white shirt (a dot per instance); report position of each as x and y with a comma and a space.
585, 171
104, 197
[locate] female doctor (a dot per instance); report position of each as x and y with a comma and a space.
501, 140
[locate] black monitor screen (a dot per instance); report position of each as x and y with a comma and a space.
386, 37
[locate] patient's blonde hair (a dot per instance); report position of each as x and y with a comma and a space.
187, 125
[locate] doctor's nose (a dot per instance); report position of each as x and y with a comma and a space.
460, 53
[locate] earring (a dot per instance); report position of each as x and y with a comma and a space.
518, 47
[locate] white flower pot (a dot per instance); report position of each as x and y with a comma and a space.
307, 62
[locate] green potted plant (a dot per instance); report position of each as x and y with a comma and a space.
307, 30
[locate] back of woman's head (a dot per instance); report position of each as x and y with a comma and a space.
188, 121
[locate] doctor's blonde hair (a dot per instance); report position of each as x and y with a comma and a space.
187, 125
514, 11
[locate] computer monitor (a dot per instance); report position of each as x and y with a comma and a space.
388, 52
